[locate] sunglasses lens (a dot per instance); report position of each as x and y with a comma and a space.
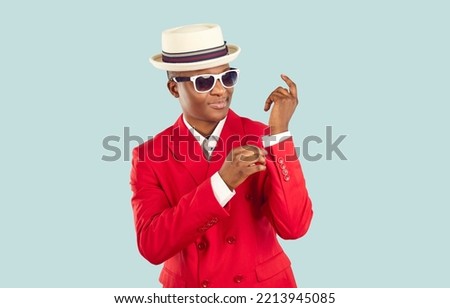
204, 84
229, 79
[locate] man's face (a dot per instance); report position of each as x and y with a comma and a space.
202, 110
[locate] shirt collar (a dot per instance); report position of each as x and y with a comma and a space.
216, 133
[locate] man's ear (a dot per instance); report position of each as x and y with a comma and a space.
173, 88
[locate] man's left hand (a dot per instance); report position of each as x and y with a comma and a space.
284, 103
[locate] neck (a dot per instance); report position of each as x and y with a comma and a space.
205, 129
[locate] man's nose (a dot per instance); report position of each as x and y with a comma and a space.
218, 88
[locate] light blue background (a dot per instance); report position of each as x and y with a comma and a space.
74, 72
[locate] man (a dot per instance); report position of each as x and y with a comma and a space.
212, 192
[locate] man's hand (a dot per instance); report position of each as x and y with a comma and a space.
240, 163
284, 103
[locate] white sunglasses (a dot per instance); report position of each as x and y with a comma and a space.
206, 82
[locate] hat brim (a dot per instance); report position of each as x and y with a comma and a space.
233, 52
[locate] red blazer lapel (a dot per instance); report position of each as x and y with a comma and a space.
186, 150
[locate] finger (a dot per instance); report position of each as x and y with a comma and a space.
253, 154
255, 149
245, 150
292, 86
249, 158
239, 150
269, 102
253, 160
261, 161
255, 168
273, 97
282, 91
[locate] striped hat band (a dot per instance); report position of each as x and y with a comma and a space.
195, 56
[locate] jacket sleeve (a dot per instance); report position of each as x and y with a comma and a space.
163, 229
287, 202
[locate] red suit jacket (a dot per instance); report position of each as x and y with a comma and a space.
179, 221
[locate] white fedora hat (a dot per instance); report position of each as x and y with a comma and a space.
194, 47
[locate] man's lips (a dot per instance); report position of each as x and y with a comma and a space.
218, 105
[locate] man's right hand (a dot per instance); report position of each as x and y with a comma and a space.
240, 163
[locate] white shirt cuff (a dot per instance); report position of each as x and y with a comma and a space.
221, 191
275, 139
